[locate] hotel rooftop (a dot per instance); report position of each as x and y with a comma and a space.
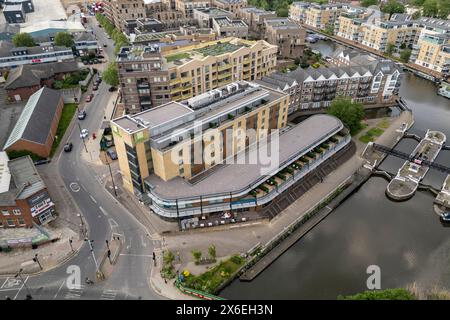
210, 107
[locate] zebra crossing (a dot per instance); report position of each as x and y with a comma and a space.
108, 295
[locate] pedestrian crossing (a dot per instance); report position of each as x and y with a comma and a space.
108, 295
75, 293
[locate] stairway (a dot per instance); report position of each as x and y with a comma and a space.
3, 96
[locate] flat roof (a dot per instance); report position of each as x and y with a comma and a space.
233, 177
153, 117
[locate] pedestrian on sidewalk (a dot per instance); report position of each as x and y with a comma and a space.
178, 256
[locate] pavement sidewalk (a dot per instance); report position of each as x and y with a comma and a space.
242, 239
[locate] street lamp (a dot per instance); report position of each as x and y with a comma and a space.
29, 297
93, 255
112, 178
35, 259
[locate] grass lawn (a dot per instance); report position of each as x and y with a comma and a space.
66, 116
212, 279
383, 124
371, 134
177, 56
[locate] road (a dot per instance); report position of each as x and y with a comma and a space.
103, 215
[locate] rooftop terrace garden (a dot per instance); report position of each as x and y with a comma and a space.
178, 56
218, 49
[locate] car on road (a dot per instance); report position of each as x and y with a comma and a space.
105, 45
89, 97
84, 133
95, 87
445, 216
98, 80
112, 154
43, 161
81, 115
111, 89
68, 147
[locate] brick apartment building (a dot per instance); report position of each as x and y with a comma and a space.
24, 198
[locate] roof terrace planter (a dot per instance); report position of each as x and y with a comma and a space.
333, 139
281, 176
230, 116
264, 188
304, 160
288, 170
311, 155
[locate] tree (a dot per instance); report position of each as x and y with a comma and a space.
282, 12
212, 252
197, 256
390, 49
416, 15
111, 75
22, 39
64, 39
168, 257
392, 6
350, 113
444, 9
368, 3
405, 54
430, 8
388, 294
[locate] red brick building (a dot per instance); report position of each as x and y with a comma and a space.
24, 198
36, 128
25, 80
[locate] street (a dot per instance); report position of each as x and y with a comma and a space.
103, 215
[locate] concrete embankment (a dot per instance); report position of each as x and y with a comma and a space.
304, 224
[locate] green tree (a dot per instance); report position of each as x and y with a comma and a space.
111, 75
368, 3
392, 6
22, 39
350, 113
282, 12
197, 255
390, 49
64, 39
444, 9
416, 15
389, 294
168, 257
212, 252
430, 8
405, 54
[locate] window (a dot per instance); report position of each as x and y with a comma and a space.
10, 223
21, 221
17, 212
5, 212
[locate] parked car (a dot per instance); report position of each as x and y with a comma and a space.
112, 154
95, 87
81, 115
105, 45
84, 133
111, 89
68, 147
43, 161
89, 98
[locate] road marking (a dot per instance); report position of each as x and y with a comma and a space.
60, 287
11, 282
136, 255
4, 282
23, 284
75, 187
103, 211
108, 295
83, 187
93, 199
74, 293
112, 223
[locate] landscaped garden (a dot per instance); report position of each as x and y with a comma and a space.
72, 80
212, 279
178, 56
371, 135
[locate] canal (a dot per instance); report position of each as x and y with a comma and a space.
405, 239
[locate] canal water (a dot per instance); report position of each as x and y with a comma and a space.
405, 239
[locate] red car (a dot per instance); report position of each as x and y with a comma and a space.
89, 98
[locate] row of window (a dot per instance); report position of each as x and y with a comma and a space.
12, 223
16, 212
